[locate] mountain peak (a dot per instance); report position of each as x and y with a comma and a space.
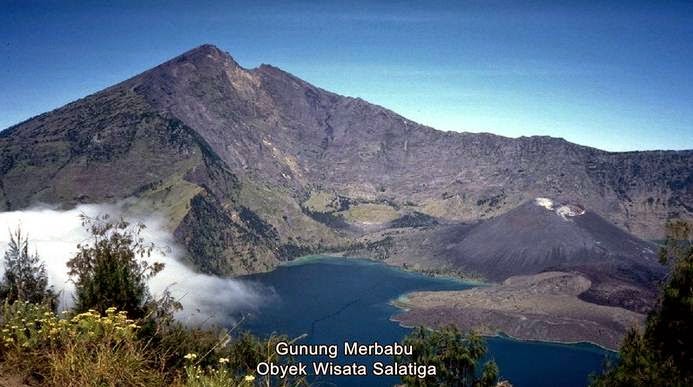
271, 126
205, 55
205, 49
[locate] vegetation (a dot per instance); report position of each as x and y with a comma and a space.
332, 219
414, 219
25, 276
118, 335
371, 213
455, 356
112, 270
94, 349
83, 349
133, 342
662, 354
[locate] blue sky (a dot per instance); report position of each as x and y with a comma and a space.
612, 75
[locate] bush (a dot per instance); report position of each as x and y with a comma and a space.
25, 276
123, 337
235, 364
454, 355
196, 376
111, 271
662, 354
84, 349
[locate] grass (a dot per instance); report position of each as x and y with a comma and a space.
93, 349
371, 213
83, 349
322, 201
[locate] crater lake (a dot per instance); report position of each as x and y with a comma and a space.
332, 300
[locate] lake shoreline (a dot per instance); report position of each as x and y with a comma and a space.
342, 255
400, 301
337, 299
501, 334
539, 307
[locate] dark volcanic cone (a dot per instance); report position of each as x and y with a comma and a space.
542, 236
532, 238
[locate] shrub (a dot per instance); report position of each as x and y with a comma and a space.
103, 346
454, 355
85, 349
25, 276
196, 376
235, 364
111, 271
662, 354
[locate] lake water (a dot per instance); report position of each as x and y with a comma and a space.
335, 299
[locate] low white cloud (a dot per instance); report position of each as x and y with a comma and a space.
54, 234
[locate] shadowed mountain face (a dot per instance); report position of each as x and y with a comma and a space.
531, 238
253, 166
623, 270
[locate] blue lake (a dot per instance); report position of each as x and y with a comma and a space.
333, 300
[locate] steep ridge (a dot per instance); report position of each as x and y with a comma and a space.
115, 145
238, 157
273, 127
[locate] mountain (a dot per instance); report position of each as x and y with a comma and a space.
538, 236
253, 166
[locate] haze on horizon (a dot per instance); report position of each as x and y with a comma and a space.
612, 76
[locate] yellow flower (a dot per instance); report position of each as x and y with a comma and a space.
190, 356
224, 360
249, 378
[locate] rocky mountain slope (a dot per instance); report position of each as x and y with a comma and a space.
255, 165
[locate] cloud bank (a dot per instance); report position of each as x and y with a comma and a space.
54, 234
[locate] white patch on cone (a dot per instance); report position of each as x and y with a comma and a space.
564, 211
544, 202
569, 210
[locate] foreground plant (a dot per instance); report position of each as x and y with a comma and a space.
112, 268
235, 363
137, 342
25, 277
83, 349
455, 356
662, 354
